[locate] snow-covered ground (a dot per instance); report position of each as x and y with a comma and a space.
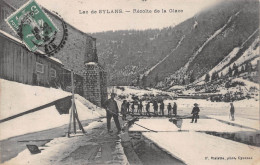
247, 83
17, 98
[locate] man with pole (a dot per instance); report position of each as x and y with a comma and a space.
112, 111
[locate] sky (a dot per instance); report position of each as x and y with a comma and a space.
70, 11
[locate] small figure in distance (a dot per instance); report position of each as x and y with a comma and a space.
169, 107
147, 108
162, 108
195, 112
174, 109
232, 111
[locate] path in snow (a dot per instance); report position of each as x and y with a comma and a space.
9, 148
97, 147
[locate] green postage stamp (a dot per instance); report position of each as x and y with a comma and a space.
32, 25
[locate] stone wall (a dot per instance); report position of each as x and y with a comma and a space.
92, 90
103, 86
95, 84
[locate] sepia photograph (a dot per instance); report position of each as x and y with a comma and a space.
129, 82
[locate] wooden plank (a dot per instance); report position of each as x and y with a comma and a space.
86, 153
25, 66
106, 154
5, 61
9, 63
19, 65
34, 109
30, 67
12, 59
22, 76
1, 57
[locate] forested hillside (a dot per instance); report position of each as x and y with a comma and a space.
180, 54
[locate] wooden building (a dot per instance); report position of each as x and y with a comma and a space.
19, 64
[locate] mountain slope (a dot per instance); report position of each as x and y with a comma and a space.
180, 54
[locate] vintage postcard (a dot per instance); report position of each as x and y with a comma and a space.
129, 82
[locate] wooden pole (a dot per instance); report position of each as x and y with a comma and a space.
73, 101
77, 118
68, 134
73, 110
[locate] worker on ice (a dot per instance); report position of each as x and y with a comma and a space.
124, 109
195, 113
112, 111
155, 107
174, 109
147, 107
169, 107
232, 111
133, 108
127, 107
162, 108
140, 107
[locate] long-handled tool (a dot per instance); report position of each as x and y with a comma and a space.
134, 123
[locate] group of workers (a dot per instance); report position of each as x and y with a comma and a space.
113, 111
157, 109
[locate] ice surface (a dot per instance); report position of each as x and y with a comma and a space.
164, 125
254, 124
154, 124
199, 148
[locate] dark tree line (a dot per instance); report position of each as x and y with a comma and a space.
232, 71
